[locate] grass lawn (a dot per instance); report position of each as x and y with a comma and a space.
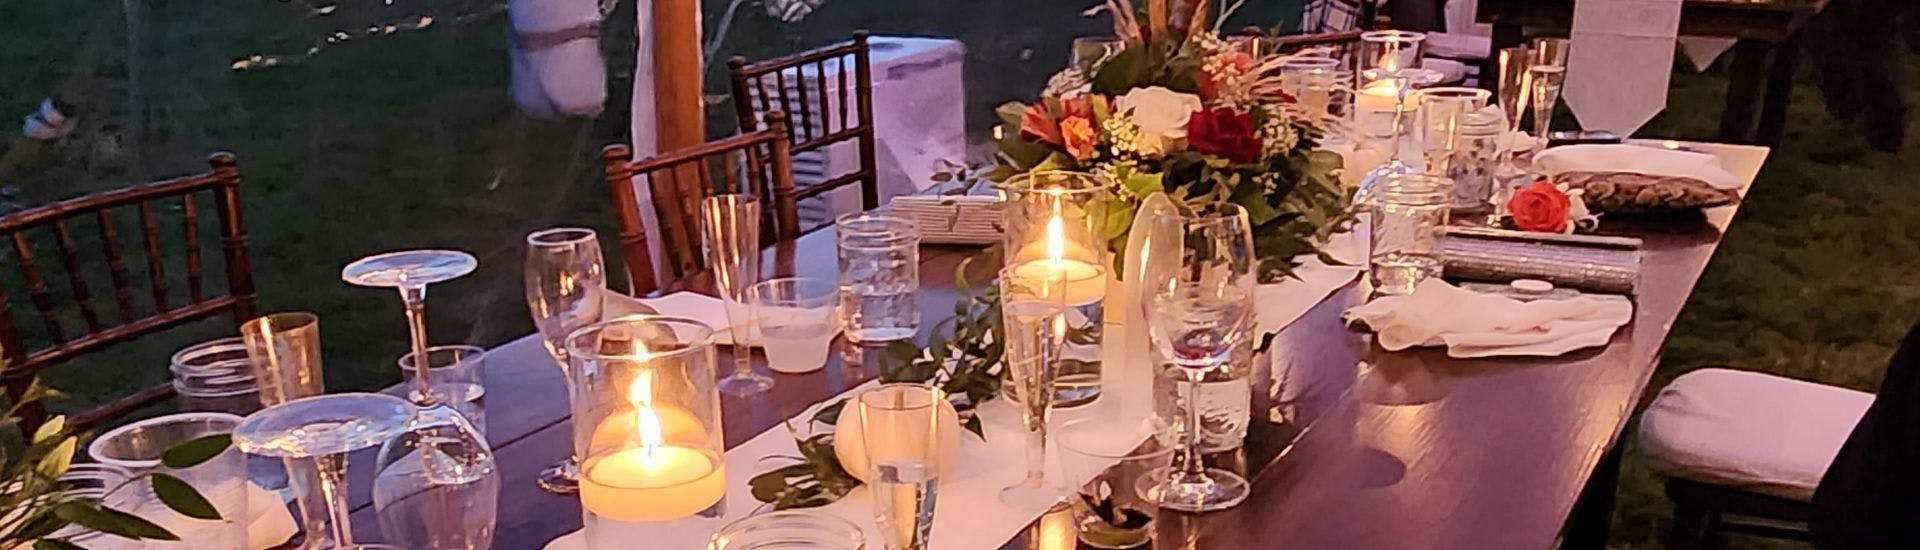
403, 140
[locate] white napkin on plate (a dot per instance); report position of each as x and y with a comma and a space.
1472, 324
1635, 159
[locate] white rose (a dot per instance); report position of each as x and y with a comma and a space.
1159, 111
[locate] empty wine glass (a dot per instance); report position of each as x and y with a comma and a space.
566, 282
730, 231
322, 430
409, 272
1201, 310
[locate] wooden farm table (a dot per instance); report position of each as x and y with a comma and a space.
1760, 83
1350, 446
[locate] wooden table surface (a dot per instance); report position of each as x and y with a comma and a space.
1350, 446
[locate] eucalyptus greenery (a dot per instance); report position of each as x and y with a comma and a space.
962, 357
36, 509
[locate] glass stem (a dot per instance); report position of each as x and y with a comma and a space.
1193, 464
415, 298
333, 492
1037, 402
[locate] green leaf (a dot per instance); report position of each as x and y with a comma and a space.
1144, 184
55, 544
192, 453
56, 461
43, 525
110, 521
51, 429
830, 414
1124, 71
973, 425
182, 498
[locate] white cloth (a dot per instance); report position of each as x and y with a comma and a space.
1756, 432
706, 309
1618, 71
554, 55
1702, 50
1636, 159
1471, 324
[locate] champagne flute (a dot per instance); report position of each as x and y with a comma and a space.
730, 231
1515, 73
1033, 306
566, 280
1547, 73
901, 429
1201, 311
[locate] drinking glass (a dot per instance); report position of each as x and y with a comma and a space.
789, 529
1546, 73
284, 349
730, 229
879, 277
215, 376
421, 510
1443, 116
1386, 54
222, 480
1055, 223
794, 317
458, 380
901, 427
1111, 467
409, 272
1409, 216
1198, 313
1033, 308
322, 430
1515, 82
566, 282
1317, 83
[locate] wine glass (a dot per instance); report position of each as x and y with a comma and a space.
1547, 72
1200, 312
410, 271
566, 281
730, 231
901, 425
322, 430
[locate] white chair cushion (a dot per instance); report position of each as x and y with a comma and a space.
1756, 432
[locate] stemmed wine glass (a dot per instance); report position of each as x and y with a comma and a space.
324, 429
1200, 311
410, 271
730, 231
1033, 307
566, 280
1546, 73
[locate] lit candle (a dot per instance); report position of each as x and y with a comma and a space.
1382, 96
653, 481
1083, 281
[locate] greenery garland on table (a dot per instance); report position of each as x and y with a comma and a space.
962, 357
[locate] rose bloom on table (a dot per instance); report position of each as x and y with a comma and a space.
1545, 207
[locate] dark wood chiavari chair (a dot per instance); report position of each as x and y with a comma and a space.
1338, 45
25, 362
757, 163
799, 85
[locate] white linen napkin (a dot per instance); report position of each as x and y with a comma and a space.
1635, 159
1471, 324
692, 305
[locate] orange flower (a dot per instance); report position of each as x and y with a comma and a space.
1078, 133
1078, 106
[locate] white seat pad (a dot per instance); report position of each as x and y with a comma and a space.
1757, 432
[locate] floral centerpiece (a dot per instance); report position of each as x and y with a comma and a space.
1180, 110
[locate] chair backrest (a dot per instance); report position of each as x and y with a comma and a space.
133, 316
756, 163
1325, 16
812, 88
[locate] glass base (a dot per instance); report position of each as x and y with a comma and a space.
562, 478
745, 383
1215, 490
1028, 494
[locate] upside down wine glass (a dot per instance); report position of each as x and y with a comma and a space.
566, 281
410, 271
1200, 311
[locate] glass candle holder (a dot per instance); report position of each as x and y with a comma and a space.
647, 400
1056, 228
216, 376
1409, 216
1386, 53
789, 529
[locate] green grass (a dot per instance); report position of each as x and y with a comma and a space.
409, 140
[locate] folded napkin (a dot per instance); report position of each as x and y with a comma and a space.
269, 524
952, 219
1471, 324
1635, 159
706, 309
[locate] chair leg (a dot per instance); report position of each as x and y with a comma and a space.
1693, 528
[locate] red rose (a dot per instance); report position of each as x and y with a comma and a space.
1225, 133
1038, 125
1539, 207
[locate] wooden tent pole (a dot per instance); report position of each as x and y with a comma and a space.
678, 101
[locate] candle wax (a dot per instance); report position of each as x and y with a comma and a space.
652, 484
1083, 281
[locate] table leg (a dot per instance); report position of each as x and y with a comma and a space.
1592, 519
1773, 113
1745, 81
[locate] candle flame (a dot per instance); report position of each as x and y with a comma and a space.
646, 422
1056, 240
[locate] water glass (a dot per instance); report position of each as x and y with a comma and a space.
730, 232
1110, 468
1443, 116
1409, 216
1514, 81
216, 376
879, 277
901, 427
222, 480
458, 379
285, 351
789, 529
1388, 53
1319, 84
794, 317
